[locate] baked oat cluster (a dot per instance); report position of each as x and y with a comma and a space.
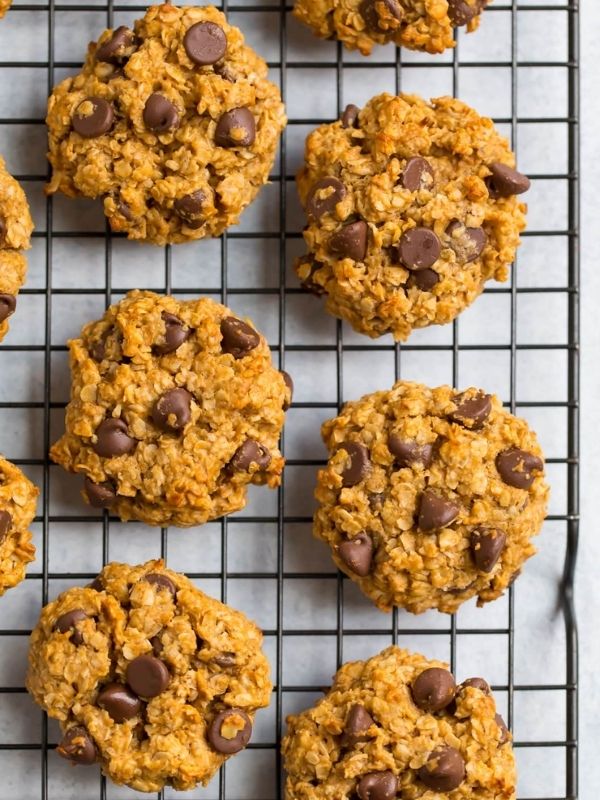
16, 227
148, 676
398, 726
411, 207
18, 501
174, 124
416, 24
175, 408
430, 496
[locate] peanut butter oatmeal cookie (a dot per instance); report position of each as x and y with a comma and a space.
430, 496
148, 676
416, 24
411, 208
396, 726
175, 408
16, 226
18, 501
174, 124
4, 6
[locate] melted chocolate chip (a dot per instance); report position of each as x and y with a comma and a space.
423, 279
236, 128
147, 676
100, 495
434, 689
93, 117
172, 411
68, 623
175, 335
357, 554
113, 50
8, 304
77, 746
444, 770
239, 338
517, 467
408, 453
160, 115
417, 175
350, 241
476, 683
230, 731
369, 11
161, 582
350, 116
120, 702
360, 463
113, 439
467, 243
487, 545
357, 724
377, 786
6, 522
504, 732
324, 196
505, 181
473, 411
251, 452
419, 248
205, 43
189, 208
289, 382
436, 512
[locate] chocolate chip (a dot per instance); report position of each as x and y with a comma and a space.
376, 500
324, 196
6, 521
8, 303
68, 622
517, 467
236, 128
120, 702
471, 412
433, 689
2, 228
225, 660
476, 683
377, 786
175, 335
368, 10
160, 114
161, 581
487, 545
444, 770
239, 338
225, 734
225, 72
504, 732
189, 208
147, 676
251, 452
357, 724
350, 241
360, 463
96, 584
350, 116
100, 495
408, 453
417, 174
113, 439
467, 243
424, 279
205, 43
98, 348
505, 181
172, 410
419, 248
93, 117
357, 554
124, 210
461, 13
77, 746
436, 512
112, 50
287, 379
156, 645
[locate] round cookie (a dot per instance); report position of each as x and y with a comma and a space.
174, 124
396, 726
18, 502
411, 208
430, 496
16, 226
175, 408
148, 676
417, 25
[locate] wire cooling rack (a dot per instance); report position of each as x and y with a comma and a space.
520, 340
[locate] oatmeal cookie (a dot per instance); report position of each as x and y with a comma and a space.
174, 124
175, 408
4, 6
396, 726
430, 496
18, 501
16, 226
411, 208
148, 676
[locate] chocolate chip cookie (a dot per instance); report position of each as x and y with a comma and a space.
417, 25
15, 232
175, 408
411, 207
430, 496
148, 676
18, 501
396, 726
173, 123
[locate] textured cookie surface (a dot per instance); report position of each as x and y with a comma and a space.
18, 501
397, 726
4, 6
416, 24
411, 208
430, 496
15, 232
175, 408
148, 676
173, 124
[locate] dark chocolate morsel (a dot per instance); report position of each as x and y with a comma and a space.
230, 731
77, 746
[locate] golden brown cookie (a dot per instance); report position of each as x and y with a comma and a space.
397, 726
430, 496
148, 676
4, 6
174, 124
18, 501
411, 208
416, 24
175, 408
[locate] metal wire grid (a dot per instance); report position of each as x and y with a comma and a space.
285, 290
